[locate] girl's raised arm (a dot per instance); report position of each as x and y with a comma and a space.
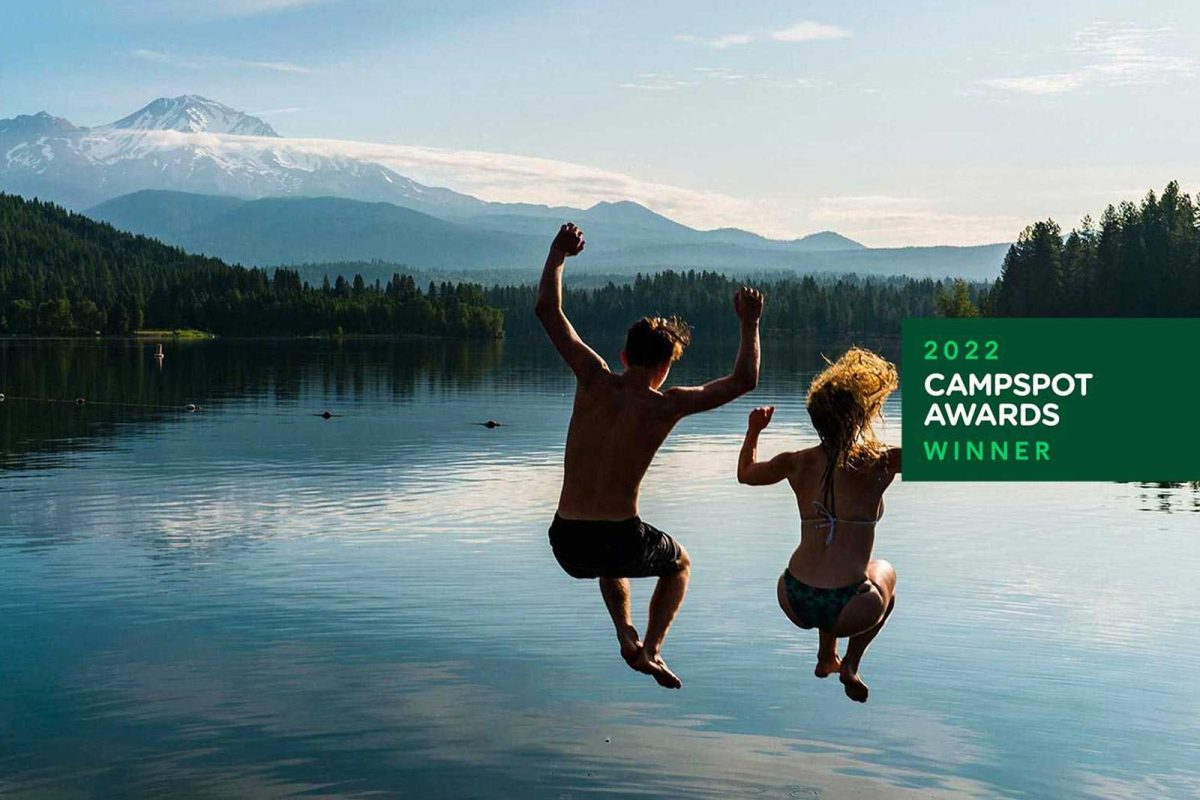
750, 470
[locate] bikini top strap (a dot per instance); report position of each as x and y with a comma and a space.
830, 520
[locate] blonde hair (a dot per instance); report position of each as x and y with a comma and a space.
843, 402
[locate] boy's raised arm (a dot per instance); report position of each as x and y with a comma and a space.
582, 360
748, 304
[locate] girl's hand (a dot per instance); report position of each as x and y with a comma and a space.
761, 418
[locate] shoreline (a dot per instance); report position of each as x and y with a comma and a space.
204, 336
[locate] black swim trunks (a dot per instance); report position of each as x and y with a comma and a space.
601, 549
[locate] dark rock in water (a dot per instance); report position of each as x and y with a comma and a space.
491, 423
327, 414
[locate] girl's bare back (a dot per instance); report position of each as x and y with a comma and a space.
849, 511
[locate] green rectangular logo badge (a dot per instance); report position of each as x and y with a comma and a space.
1004, 399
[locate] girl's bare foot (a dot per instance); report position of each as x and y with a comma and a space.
655, 667
827, 665
856, 690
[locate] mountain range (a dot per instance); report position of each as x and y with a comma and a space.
199, 174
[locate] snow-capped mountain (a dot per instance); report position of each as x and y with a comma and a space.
191, 113
190, 143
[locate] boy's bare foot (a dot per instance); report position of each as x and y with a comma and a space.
827, 665
856, 690
655, 667
631, 645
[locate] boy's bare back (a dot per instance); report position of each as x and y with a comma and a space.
616, 428
619, 420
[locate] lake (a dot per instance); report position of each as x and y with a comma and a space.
253, 601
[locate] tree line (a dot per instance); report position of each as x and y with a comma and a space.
1140, 260
65, 274
804, 306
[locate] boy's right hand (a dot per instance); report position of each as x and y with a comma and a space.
761, 418
569, 240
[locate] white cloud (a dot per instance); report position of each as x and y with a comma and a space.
1039, 84
803, 31
717, 42
655, 82
284, 110
724, 75
1111, 55
663, 82
199, 62
245, 7
214, 8
808, 31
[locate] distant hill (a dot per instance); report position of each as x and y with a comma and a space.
291, 230
616, 226
622, 238
164, 215
65, 274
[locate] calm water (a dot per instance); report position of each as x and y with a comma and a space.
253, 601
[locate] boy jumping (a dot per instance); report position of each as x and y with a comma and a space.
617, 425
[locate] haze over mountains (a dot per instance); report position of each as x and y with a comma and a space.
202, 175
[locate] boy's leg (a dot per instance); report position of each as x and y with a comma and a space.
616, 598
664, 605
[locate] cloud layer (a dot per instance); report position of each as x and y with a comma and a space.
877, 220
189, 9
1109, 55
803, 31
489, 176
875, 217
203, 62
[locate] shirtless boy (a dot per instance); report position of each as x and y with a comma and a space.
617, 425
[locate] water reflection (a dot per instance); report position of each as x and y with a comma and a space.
254, 601
1170, 497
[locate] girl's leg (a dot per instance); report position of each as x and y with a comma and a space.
862, 619
827, 656
784, 605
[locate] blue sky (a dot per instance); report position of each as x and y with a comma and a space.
894, 123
